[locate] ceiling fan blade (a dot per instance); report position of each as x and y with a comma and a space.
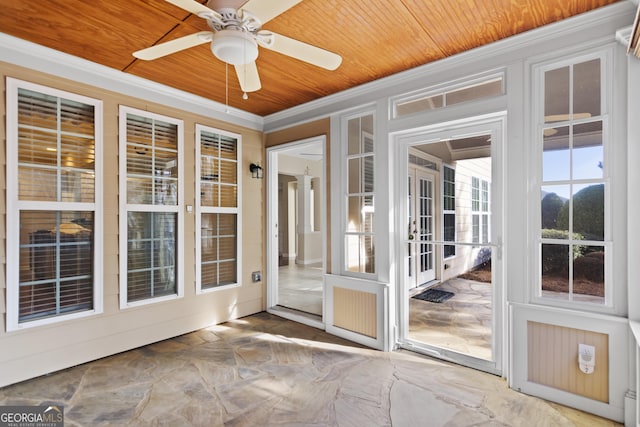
248, 77
265, 11
194, 7
299, 50
173, 46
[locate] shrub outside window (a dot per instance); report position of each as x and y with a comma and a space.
573, 192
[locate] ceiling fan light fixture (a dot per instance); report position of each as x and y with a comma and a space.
234, 47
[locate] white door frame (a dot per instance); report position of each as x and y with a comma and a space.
417, 174
495, 124
272, 228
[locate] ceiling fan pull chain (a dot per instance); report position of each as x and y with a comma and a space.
226, 86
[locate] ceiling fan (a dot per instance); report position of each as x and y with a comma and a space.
236, 35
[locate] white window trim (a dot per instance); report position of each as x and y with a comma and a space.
125, 207
199, 209
14, 206
445, 211
606, 56
482, 213
443, 89
344, 190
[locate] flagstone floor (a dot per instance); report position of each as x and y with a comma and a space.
266, 371
461, 323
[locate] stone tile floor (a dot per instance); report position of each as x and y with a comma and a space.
266, 371
461, 324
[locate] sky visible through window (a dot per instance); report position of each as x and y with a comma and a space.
587, 164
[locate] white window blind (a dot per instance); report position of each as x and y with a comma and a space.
53, 203
217, 208
150, 156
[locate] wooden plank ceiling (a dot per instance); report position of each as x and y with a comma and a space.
376, 38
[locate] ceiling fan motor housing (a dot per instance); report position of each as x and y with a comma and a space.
234, 47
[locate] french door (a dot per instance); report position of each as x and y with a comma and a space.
421, 257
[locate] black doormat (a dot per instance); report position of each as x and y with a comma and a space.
434, 295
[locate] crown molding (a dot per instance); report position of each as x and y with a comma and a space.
40, 58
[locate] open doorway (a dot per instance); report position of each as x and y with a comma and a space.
451, 287
296, 243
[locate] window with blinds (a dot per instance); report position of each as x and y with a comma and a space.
359, 232
217, 210
53, 199
150, 147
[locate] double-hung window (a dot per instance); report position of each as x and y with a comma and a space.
480, 210
573, 232
217, 208
151, 214
449, 209
54, 209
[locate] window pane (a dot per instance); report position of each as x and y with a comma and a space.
449, 196
356, 175
556, 95
152, 161
139, 130
588, 153
483, 90
586, 89
209, 194
588, 274
151, 248
165, 135
37, 147
219, 250
556, 154
77, 117
475, 228
360, 211
421, 104
37, 109
449, 235
485, 229
475, 194
228, 196
588, 211
354, 130
555, 271
485, 196
360, 254
555, 207
56, 263
228, 172
37, 184
78, 186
